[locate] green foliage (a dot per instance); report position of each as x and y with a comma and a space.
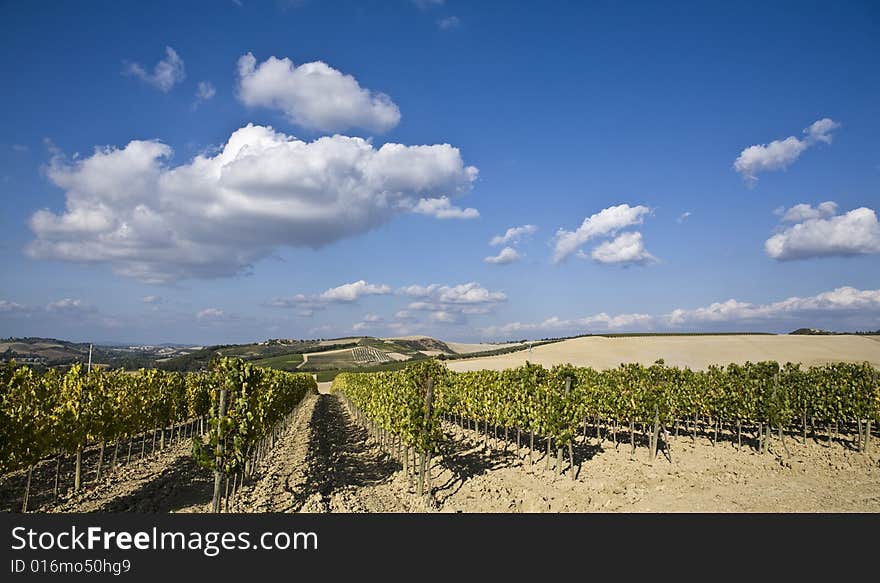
534, 398
56, 412
396, 400
257, 399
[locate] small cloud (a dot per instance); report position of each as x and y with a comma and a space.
166, 74
348, 293
69, 306
351, 292
204, 92
513, 235
625, 248
683, 217
314, 95
821, 232
151, 300
210, 314
10, 307
449, 23
442, 208
606, 222
49, 144
779, 154
506, 256
802, 212
21, 148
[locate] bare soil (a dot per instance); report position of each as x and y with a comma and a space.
326, 462
163, 481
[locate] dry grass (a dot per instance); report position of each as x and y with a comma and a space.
696, 352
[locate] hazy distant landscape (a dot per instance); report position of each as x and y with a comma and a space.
328, 357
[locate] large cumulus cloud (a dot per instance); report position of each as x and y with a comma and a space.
217, 214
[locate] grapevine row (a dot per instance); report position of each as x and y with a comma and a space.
249, 407
58, 414
553, 404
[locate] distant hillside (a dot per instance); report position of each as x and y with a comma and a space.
811, 332
50, 352
818, 332
270, 349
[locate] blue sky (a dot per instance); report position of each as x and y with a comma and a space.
683, 149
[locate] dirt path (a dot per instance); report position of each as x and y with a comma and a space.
325, 463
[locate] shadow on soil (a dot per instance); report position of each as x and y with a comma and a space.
341, 456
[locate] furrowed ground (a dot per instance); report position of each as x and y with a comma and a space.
326, 462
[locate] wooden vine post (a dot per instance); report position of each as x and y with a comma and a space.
77, 472
218, 475
868, 428
655, 433
425, 457
570, 444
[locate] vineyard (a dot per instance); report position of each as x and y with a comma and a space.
551, 407
232, 413
394, 440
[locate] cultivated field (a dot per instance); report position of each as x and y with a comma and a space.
748, 439
696, 352
326, 462
465, 348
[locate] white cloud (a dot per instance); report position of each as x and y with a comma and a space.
802, 212
442, 208
166, 74
620, 321
314, 95
70, 306
823, 233
779, 154
513, 235
820, 131
506, 256
450, 304
840, 300
216, 215
446, 317
10, 307
205, 92
858, 309
210, 314
351, 292
554, 324
347, 293
606, 222
465, 293
372, 318
625, 248
683, 217
292, 302
449, 23
151, 299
